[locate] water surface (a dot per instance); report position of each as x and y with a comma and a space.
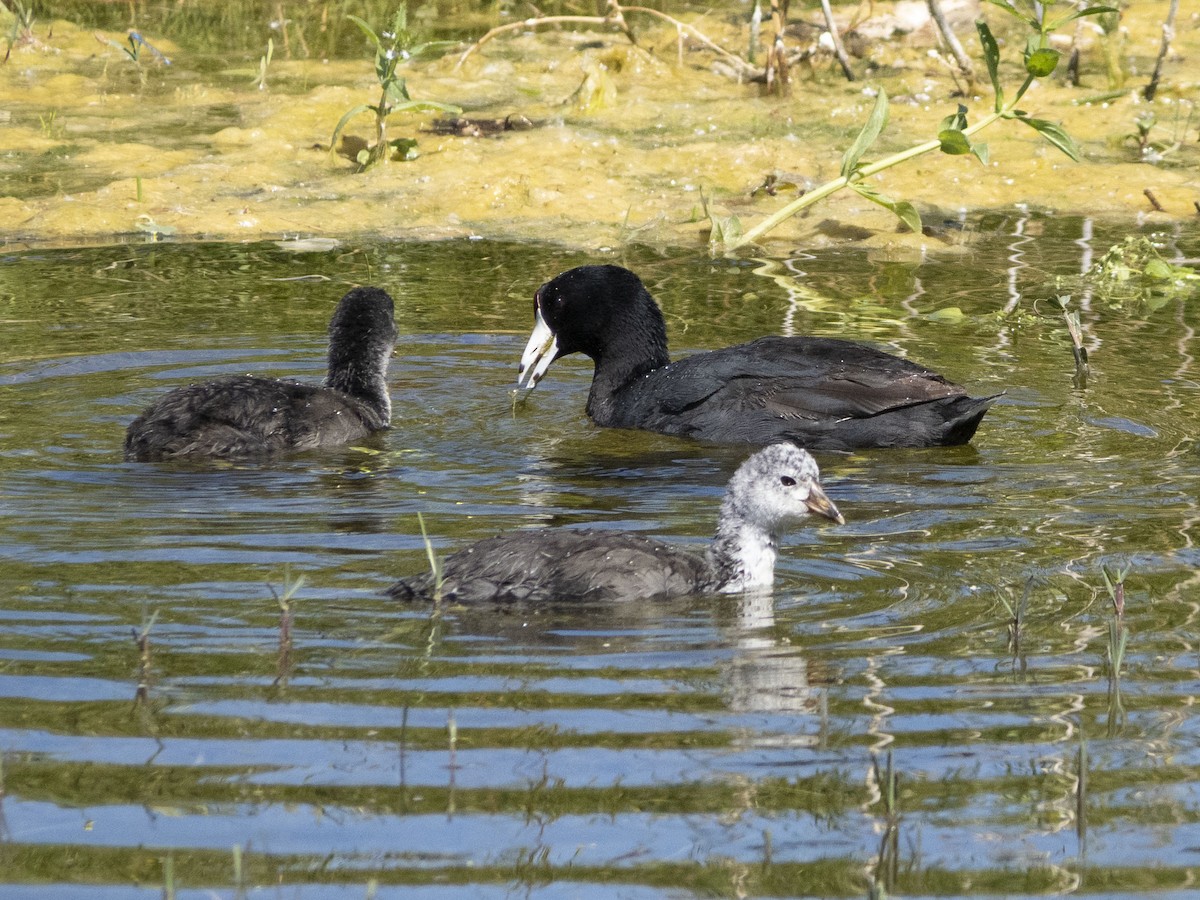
682, 749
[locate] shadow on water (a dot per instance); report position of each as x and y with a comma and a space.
155, 709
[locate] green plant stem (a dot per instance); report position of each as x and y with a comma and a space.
830, 187
380, 150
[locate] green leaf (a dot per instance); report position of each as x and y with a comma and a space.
385, 67
869, 134
350, 114
905, 211
955, 121
981, 152
1055, 135
403, 149
400, 20
1013, 11
1041, 63
724, 230
991, 54
370, 33
1079, 14
954, 142
428, 106
1159, 269
430, 49
397, 91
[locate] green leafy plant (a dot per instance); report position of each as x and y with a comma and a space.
132, 48
1144, 124
1153, 149
52, 127
392, 48
1134, 273
954, 134
1115, 585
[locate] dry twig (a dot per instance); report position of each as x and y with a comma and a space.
615, 16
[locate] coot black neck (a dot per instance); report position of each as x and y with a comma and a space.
634, 344
358, 370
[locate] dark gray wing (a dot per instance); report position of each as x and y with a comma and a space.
822, 393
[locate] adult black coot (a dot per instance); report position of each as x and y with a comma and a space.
244, 416
821, 393
777, 483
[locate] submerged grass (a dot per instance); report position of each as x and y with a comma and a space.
287, 618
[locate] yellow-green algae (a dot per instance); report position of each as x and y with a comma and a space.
114, 151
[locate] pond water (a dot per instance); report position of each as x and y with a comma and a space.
698, 748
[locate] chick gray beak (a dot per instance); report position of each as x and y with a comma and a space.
820, 504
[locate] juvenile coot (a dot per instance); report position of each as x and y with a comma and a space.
244, 416
821, 393
775, 484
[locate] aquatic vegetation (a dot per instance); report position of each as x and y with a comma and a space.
132, 49
287, 618
1081, 787
168, 870
21, 31
435, 562
954, 135
141, 640
886, 868
1016, 617
239, 872
51, 125
1075, 331
391, 49
1115, 585
1135, 273
1118, 641
260, 80
1156, 150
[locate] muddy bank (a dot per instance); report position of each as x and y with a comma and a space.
625, 143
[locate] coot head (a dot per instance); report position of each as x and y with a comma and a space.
598, 311
776, 485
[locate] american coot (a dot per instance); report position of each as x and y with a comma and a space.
244, 416
775, 484
821, 393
